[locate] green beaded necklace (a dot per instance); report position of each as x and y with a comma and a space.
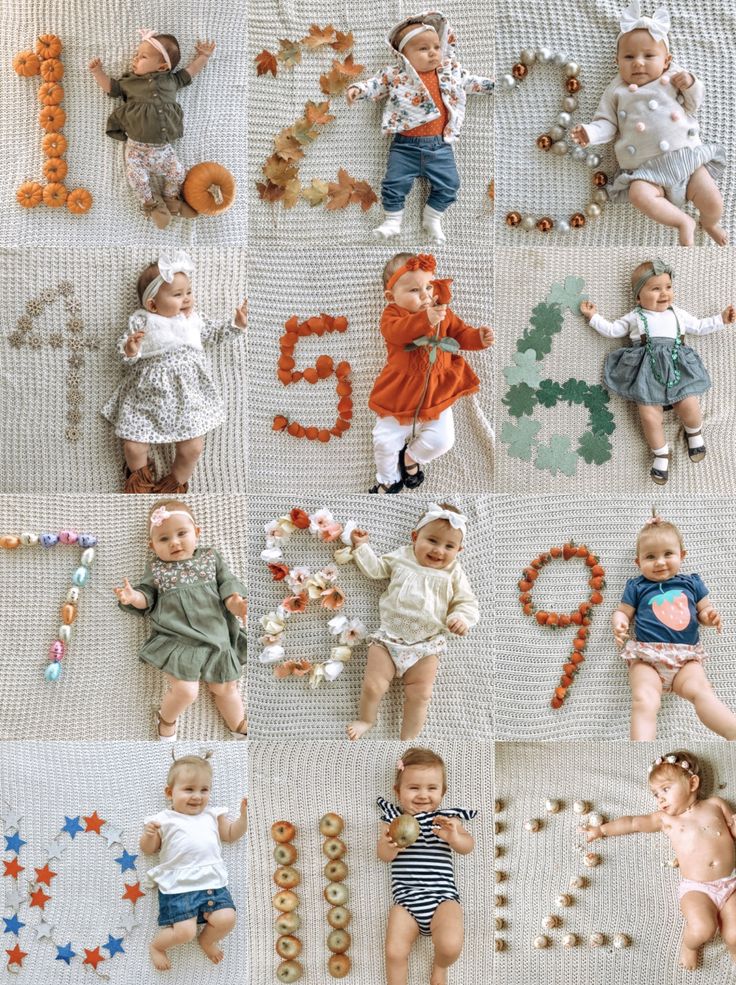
674, 354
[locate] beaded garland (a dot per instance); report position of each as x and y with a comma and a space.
80, 576
674, 355
558, 141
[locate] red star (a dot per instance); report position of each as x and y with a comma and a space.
16, 955
93, 957
45, 874
94, 823
39, 898
12, 868
133, 893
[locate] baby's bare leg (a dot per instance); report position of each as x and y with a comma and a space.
136, 454
401, 932
219, 923
650, 200
186, 458
703, 192
692, 684
701, 923
447, 937
167, 937
418, 684
379, 672
229, 704
688, 410
651, 418
646, 697
176, 700
728, 925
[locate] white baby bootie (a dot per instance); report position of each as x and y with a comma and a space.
390, 227
432, 224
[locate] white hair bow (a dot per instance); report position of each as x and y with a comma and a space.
180, 263
658, 26
435, 512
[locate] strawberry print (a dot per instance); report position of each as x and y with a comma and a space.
672, 609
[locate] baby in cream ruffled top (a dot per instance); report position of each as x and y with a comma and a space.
428, 595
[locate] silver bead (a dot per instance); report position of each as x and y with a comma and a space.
571, 69
527, 223
652, 104
593, 160
508, 82
28, 539
541, 942
569, 104
664, 145
88, 556
559, 147
65, 633
73, 594
578, 153
621, 940
595, 820
562, 226
557, 133
631, 149
600, 197
560, 58
528, 56
593, 210
564, 119
623, 114
545, 55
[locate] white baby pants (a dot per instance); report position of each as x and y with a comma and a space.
431, 439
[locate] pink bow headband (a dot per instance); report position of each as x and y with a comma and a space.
149, 36
158, 516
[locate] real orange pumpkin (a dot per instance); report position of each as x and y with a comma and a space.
209, 188
29, 195
26, 63
50, 94
52, 70
55, 169
48, 46
52, 118
54, 144
79, 201
54, 195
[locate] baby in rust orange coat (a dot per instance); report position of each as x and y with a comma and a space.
423, 376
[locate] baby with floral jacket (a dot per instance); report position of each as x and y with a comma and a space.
425, 93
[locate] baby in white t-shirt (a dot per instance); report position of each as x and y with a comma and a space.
191, 876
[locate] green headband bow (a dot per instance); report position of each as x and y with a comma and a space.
657, 267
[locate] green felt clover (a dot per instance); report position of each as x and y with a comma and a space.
520, 400
594, 448
557, 456
602, 422
568, 295
597, 396
546, 321
549, 393
574, 391
521, 438
525, 369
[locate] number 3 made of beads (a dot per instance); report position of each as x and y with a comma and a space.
46, 62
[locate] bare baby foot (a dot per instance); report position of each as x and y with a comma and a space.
159, 959
439, 976
686, 231
717, 233
212, 951
357, 729
688, 957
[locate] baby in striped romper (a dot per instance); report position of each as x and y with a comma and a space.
425, 898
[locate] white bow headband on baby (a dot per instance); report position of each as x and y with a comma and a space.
149, 37
419, 29
435, 512
658, 26
180, 263
158, 516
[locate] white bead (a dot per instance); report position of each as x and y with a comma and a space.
571, 69
593, 160
640, 126
569, 104
593, 210
596, 820
600, 197
508, 82
578, 882
88, 556
564, 899
64, 633
652, 104
562, 226
541, 942
544, 55
597, 939
552, 806
533, 824
500, 923
560, 58
631, 149
73, 594
581, 807
591, 860
633, 87
528, 223
564, 120
559, 148
570, 940
623, 114
621, 940
528, 56
551, 921
28, 539
556, 132
578, 153
664, 145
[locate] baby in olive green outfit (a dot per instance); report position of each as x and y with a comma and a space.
196, 606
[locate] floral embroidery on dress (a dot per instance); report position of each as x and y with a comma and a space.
170, 575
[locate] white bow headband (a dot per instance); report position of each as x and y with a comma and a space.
658, 25
149, 37
419, 29
158, 516
435, 512
180, 263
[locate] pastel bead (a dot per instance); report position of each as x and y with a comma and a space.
81, 577
633, 87
57, 650
9, 542
49, 540
87, 557
65, 633
664, 145
72, 595
623, 114
674, 117
28, 539
68, 613
641, 127
631, 149
87, 540
652, 104
53, 672
68, 537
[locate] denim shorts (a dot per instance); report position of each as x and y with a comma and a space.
175, 907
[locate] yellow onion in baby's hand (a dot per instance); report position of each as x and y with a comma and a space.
404, 830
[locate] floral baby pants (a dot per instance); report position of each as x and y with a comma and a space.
146, 161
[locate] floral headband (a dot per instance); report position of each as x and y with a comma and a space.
158, 516
422, 261
149, 36
658, 26
457, 521
673, 761
168, 267
655, 268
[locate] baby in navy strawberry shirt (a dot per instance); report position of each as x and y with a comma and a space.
667, 607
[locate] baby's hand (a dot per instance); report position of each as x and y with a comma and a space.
244, 807
683, 80
620, 627
457, 626
729, 315
389, 841
593, 833
237, 605
579, 135
151, 827
241, 315
352, 94
588, 309
711, 617
133, 344
358, 537
436, 313
126, 594
447, 828
95, 64
205, 48
486, 336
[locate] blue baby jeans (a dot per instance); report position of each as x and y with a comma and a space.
420, 157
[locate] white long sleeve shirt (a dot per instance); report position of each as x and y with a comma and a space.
660, 324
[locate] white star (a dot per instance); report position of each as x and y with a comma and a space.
112, 835
129, 921
11, 819
12, 897
43, 929
54, 850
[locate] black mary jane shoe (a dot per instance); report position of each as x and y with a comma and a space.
383, 490
412, 476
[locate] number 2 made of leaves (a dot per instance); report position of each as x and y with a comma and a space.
281, 169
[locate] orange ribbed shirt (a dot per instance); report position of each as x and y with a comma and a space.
435, 128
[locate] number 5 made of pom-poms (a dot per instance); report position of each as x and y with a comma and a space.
580, 617
80, 577
46, 62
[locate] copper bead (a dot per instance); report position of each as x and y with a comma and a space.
544, 141
519, 71
544, 225
573, 86
513, 218
577, 221
600, 178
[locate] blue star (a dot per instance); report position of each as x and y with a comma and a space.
65, 953
72, 826
13, 842
114, 945
126, 861
12, 925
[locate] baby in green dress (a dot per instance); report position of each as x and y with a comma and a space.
196, 608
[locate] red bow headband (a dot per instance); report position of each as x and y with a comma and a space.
422, 261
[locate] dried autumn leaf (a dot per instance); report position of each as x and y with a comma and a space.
289, 53
315, 192
265, 62
268, 192
333, 84
303, 131
319, 36
363, 195
292, 193
279, 172
316, 113
348, 67
287, 146
340, 191
343, 42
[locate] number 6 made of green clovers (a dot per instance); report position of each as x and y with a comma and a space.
527, 390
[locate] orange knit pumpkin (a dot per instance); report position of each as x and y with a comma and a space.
55, 169
54, 144
26, 63
54, 195
52, 118
52, 70
29, 195
48, 46
79, 201
50, 94
209, 188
